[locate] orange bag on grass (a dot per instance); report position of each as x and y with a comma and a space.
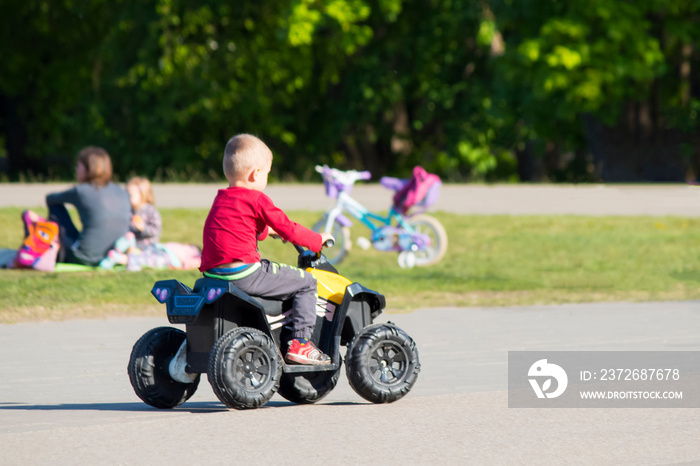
40, 246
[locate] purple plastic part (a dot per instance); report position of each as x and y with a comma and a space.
341, 187
331, 190
343, 220
213, 293
394, 184
422, 241
333, 186
431, 196
330, 184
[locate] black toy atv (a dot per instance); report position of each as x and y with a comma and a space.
238, 341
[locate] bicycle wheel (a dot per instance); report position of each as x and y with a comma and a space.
427, 225
342, 240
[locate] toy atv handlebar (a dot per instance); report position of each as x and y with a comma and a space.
315, 260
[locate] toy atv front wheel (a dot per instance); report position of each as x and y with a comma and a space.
149, 369
382, 363
244, 368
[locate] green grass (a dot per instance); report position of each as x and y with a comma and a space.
491, 261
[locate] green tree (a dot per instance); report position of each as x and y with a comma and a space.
50, 79
601, 60
471, 90
377, 84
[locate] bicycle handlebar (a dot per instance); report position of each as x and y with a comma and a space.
347, 177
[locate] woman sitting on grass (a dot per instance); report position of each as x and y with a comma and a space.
103, 208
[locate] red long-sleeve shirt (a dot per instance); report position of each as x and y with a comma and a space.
238, 219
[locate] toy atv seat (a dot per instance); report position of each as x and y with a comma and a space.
238, 341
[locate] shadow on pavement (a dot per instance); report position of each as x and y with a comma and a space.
189, 407
196, 407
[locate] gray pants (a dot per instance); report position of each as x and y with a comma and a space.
282, 281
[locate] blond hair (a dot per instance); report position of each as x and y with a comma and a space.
144, 188
98, 165
243, 152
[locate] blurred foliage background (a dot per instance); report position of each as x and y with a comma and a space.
491, 90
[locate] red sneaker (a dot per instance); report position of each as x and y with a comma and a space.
305, 353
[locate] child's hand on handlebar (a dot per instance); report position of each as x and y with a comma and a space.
327, 239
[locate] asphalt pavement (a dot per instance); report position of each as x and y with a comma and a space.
66, 398
657, 200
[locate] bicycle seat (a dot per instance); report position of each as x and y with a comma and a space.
395, 184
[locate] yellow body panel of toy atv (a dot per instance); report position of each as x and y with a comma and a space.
331, 286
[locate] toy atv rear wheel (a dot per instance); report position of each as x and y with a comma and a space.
382, 363
149, 373
309, 387
244, 368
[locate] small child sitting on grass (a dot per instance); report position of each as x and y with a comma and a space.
144, 230
242, 215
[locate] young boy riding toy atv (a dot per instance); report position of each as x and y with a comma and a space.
247, 312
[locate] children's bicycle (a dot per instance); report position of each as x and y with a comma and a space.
418, 238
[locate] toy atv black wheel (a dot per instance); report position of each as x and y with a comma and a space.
382, 363
309, 387
149, 369
244, 368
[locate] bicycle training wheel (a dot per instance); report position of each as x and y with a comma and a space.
427, 225
342, 240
